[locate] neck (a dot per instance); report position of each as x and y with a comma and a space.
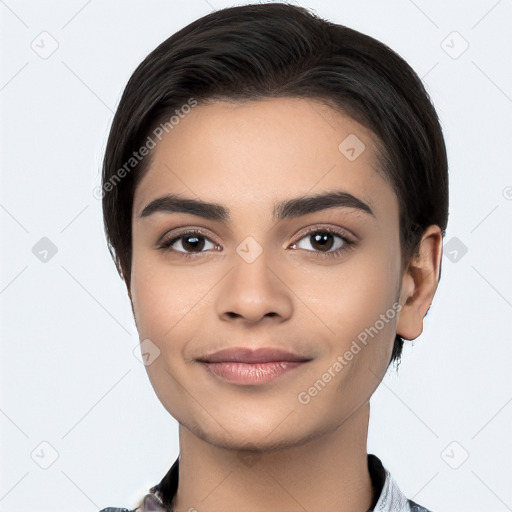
328, 473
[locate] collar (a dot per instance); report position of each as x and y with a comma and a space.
390, 497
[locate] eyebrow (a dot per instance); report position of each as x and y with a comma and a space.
290, 208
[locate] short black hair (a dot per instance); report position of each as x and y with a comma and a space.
277, 50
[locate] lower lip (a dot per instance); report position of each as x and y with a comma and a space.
251, 373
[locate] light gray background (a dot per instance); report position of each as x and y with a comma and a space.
69, 376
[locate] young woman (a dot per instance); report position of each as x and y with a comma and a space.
275, 199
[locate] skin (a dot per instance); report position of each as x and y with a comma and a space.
247, 448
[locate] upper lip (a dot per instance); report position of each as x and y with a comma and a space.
247, 355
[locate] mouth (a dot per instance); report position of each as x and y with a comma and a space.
247, 355
251, 367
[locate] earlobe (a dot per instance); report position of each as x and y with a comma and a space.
419, 284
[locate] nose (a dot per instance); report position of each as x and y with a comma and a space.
254, 292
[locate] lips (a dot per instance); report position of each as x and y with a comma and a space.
243, 366
246, 355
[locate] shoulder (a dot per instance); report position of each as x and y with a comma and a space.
115, 509
417, 508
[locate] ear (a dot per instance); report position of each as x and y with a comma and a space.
419, 283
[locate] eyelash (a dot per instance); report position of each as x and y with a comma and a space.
348, 244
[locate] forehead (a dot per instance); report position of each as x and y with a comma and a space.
254, 154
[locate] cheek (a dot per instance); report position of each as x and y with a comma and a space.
356, 303
171, 304
166, 309
350, 297
161, 297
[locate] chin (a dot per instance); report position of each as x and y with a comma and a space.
255, 433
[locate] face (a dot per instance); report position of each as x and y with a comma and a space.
314, 277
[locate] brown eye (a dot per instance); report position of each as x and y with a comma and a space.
189, 242
323, 241
192, 242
